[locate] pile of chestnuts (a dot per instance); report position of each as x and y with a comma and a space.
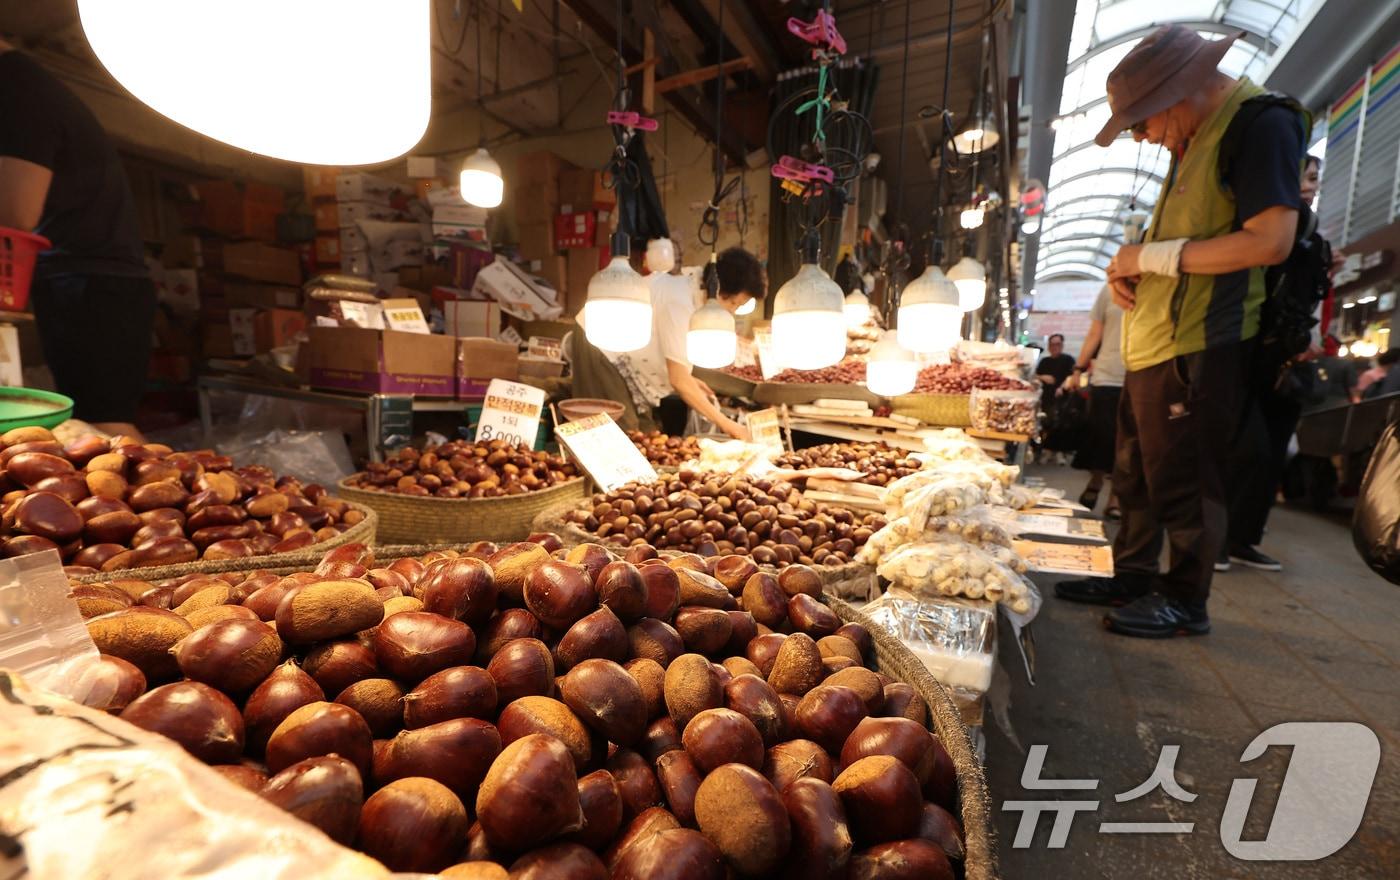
721, 514
530, 712
460, 469
665, 450
107, 505
881, 463
961, 379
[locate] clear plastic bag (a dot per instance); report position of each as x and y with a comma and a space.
954, 638
1010, 412
950, 566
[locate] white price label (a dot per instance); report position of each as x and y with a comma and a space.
599, 445
406, 315
545, 347
511, 413
765, 430
767, 354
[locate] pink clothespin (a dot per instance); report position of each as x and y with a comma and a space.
791, 168
820, 32
632, 119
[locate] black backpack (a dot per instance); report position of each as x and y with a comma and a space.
1295, 287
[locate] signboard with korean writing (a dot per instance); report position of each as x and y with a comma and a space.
764, 429
601, 449
511, 413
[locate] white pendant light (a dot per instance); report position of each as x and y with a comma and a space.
857, 309
890, 368
481, 182
208, 65
710, 342
930, 313
809, 320
618, 306
978, 136
970, 278
971, 218
747, 308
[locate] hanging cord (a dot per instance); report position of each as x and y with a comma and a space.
461, 37
622, 173
480, 63
945, 134
708, 233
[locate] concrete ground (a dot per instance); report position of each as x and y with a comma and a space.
1316, 642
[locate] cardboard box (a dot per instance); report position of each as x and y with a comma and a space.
539, 169
423, 166
328, 249
274, 328
467, 317
481, 360
555, 270
582, 265
575, 230
359, 187
518, 293
465, 261
253, 260
540, 368
318, 182
261, 296
327, 217
536, 240
179, 289
240, 210
350, 213
242, 334
356, 263
534, 204
425, 278
382, 361
583, 189
352, 240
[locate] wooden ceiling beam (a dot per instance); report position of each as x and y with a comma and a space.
700, 75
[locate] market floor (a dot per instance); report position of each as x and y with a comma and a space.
1317, 642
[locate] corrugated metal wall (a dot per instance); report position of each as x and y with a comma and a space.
1361, 178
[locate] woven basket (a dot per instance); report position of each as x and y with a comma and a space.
950, 410
407, 519
362, 532
773, 393
723, 383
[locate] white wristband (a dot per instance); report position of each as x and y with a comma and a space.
1161, 257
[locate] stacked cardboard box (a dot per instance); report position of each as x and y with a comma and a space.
564, 217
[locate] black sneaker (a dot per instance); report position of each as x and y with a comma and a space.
1099, 591
1155, 616
1254, 559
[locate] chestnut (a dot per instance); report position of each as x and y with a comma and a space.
413, 824
812, 617
599, 635
703, 630
882, 799
456, 753
529, 795
861, 680
636, 782
593, 558
651, 678
559, 860
522, 667
621, 588
937, 825
741, 813
663, 590
797, 759
601, 802
671, 854
661, 737
644, 825
109, 684
691, 687
202, 720
756, 700
325, 791
800, 580
734, 572
655, 640
48, 515
320, 728
286, 689
742, 630
143, 637
412, 645
837, 646
231, 655
326, 610
337, 665
245, 775
821, 840
379, 701
901, 860
530, 715
698, 588
457, 692
680, 778
607, 699
510, 623
559, 593
716, 737
858, 635
512, 565
797, 668
828, 714
902, 701
548, 540
461, 588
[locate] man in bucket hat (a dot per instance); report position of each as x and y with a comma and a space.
1192, 294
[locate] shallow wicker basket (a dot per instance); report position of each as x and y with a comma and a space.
363, 532
774, 393
407, 519
945, 410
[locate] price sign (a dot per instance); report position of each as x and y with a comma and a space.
511, 413
405, 314
745, 353
545, 347
767, 354
765, 430
599, 445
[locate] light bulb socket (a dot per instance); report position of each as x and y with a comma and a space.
811, 247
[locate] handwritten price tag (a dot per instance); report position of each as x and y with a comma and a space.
764, 429
511, 413
767, 354
599, 445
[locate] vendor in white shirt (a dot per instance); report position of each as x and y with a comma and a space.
657, 379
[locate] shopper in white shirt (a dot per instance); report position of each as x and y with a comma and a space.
1101, 361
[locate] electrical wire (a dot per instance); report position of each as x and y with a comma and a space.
461, 37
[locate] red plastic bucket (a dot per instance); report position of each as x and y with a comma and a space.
18, 250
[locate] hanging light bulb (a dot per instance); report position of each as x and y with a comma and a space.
209, 85
970, 278
619, 304
710, 342
978, 136
930, 313
971, 218
856, 309
747, 308
890, 368
481, 182
809, 321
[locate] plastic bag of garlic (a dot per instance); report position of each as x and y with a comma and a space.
74, 775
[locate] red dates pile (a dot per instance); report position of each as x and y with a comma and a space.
720, 514
531, 712
460, 469
113, 504
881, 463
961, 379
663, 450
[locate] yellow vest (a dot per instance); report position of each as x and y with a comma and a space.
1177, 316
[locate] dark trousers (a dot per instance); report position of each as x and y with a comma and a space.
1175, 421
1257, 462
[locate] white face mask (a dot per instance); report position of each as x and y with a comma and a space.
661, 255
